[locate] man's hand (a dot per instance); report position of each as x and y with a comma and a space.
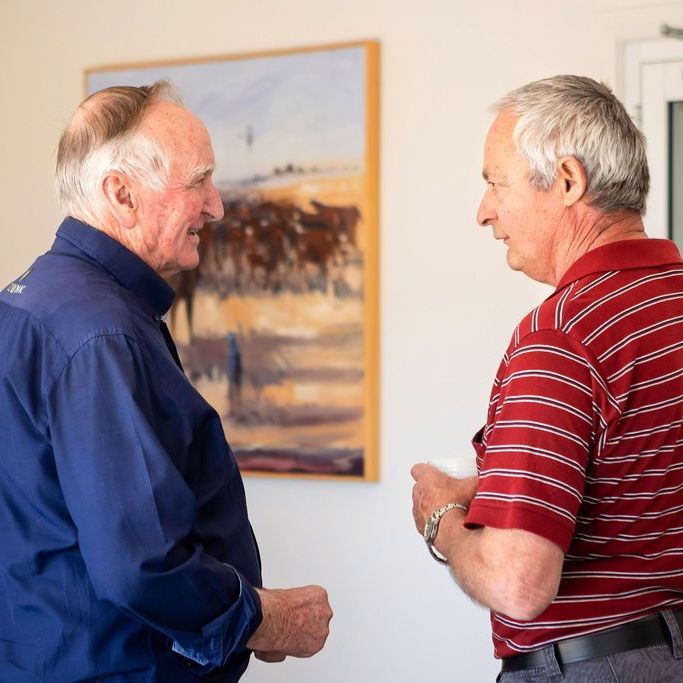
270, 657
433, 489
511, 571
295, 623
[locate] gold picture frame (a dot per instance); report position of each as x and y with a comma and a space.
278, 328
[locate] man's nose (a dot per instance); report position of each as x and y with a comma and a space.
214, 204
485, 214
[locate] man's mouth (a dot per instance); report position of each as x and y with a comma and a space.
193, 232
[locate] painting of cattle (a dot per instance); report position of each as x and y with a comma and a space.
277, 327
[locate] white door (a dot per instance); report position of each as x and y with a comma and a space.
662, 123
653, 85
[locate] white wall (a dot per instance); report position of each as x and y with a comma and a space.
448, 304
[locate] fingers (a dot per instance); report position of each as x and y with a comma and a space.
423, 471
419, 525
433, 488
295, 621
315, 628
270, 657
418, 470
418, 514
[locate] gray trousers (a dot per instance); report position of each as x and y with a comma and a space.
656, 664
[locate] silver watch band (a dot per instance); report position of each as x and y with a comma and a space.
432, 527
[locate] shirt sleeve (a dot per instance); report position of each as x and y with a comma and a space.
134, 510
541, 428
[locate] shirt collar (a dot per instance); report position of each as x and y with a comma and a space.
623, 255
130, 270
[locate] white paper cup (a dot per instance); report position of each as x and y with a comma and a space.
456, 467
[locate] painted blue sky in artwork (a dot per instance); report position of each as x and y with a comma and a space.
305, 109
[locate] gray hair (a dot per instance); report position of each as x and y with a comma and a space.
579, 117
104, 136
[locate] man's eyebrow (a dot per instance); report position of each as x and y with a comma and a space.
498, 179
200, 173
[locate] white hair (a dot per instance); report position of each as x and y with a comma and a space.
104, 136
579, 117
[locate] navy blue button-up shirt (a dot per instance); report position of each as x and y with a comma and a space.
126, 553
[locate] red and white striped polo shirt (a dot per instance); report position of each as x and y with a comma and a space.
583, 443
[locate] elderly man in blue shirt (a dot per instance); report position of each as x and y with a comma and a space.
126, 553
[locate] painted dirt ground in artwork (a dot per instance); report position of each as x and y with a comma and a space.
270, 326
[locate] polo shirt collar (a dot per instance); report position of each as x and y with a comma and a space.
130, 270
623, 255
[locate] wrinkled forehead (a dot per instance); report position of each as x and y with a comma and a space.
501, 155
167, 121
181, 133
501, 133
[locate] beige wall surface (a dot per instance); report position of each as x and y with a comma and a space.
448, 302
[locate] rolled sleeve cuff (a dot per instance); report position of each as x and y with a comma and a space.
501, 516
225, 635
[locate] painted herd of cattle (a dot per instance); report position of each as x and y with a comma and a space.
271, 246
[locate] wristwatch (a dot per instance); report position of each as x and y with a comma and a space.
432, 527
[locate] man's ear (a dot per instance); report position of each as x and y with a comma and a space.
571, 177
120, 199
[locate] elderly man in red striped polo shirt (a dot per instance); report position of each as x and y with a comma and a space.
572, 534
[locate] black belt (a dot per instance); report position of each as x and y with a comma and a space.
631, 636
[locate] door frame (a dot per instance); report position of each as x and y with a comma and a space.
652, 77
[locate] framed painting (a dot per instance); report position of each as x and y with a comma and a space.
278, 326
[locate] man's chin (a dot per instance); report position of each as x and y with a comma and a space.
514, 262
170, 272
191, 262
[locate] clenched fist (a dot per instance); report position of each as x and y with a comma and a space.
295, 623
